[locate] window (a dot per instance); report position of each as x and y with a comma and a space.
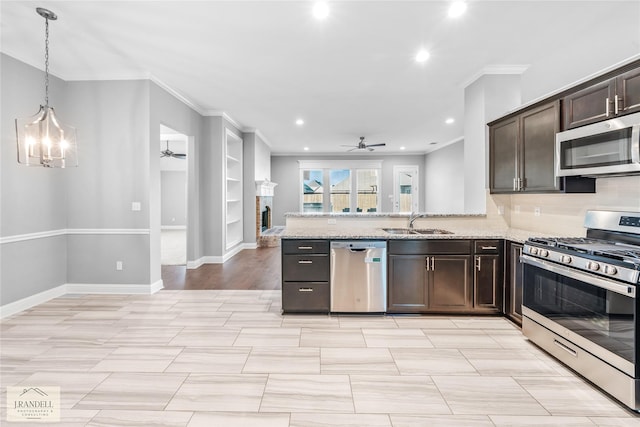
312, 190
354, 186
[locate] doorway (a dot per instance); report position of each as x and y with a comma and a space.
173, 196
405, 188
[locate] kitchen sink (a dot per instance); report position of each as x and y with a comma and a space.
416, 231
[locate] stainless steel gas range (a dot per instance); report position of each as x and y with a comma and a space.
580, 304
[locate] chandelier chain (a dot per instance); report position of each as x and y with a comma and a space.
46, 63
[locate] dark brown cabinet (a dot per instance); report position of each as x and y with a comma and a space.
521, 151
488, 275
603, 100
305, 275
427, 276
513, 283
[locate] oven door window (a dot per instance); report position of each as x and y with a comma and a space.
605, 149
604, 317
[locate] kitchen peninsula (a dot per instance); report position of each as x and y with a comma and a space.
444, 264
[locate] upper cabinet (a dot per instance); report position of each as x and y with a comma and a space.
603, 100
521, 151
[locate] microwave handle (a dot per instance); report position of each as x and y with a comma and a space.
606, 107
635, 144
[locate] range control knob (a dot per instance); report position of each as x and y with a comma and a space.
610, 269
593, 266
566, 259
533, 251
543, 253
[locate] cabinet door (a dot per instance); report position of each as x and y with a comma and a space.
503, 155
407, 284
513, 284
449, 283
628, 92
487, 282
538, 128
588, 105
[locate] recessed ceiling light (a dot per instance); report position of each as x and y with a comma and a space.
299, 122
422, 56
457, 9
433, 143
321, 10
449, 121
306, 148
402, 148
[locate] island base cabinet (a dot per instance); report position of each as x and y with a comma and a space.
449, 283
488, 281
306, 296
407, 284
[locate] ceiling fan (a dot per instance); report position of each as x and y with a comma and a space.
169, 153
362, 146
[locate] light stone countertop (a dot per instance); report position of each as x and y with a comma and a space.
376, 215
512, 234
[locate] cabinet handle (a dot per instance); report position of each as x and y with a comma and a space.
478, 263
305, 289
566, 348
487, 248
515, 184
304, 261
433, 263
616, 104
606, 107
305, 248
426, 260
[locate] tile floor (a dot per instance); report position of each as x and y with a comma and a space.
229, 358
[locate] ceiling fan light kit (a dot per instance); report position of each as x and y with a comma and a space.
168, 153
43, 140
363, 146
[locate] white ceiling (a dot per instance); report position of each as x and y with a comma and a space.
267, 63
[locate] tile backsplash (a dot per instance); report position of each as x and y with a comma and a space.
563, 214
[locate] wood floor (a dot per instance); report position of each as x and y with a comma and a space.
256, 269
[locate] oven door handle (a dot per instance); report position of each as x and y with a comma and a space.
626, 290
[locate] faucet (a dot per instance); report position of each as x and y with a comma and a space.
412, 218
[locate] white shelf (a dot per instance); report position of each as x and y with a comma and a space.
233, 159
233, 191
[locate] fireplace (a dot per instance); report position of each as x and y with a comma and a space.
265, 218
266, 234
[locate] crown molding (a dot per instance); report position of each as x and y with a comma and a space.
177, 95
259, 134
496, 69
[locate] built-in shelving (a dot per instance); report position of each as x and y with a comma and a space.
233, 190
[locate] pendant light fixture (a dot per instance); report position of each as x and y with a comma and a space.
42, 139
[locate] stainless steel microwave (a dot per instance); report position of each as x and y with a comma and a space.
610, 147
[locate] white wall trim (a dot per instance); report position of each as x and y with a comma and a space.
77, 288
177, 95
258, 134
495, 69
192, 265
31, 301
70, 231
224, 115
340, 164
32, 236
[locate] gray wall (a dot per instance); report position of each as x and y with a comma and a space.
444, 179
32, 199
173, 185
285, 171
256, 167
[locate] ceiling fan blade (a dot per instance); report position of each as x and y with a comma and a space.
376, 145
354, 148
370, 149
179, 156
342, 145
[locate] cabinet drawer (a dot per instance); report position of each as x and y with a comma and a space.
418, 247
305, 246
305, 268
487, 246
309, 296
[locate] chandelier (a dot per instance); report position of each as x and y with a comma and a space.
42, 139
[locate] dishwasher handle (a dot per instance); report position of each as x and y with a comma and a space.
357, 249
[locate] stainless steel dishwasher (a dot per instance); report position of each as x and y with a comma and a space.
358, 276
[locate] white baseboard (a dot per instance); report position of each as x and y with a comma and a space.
173, 227
191, 265
77, 288
31, 301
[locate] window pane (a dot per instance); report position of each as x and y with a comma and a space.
340, 190
406, 198
367, 182
312, 189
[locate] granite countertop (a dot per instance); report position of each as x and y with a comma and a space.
515, 235
375, 215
